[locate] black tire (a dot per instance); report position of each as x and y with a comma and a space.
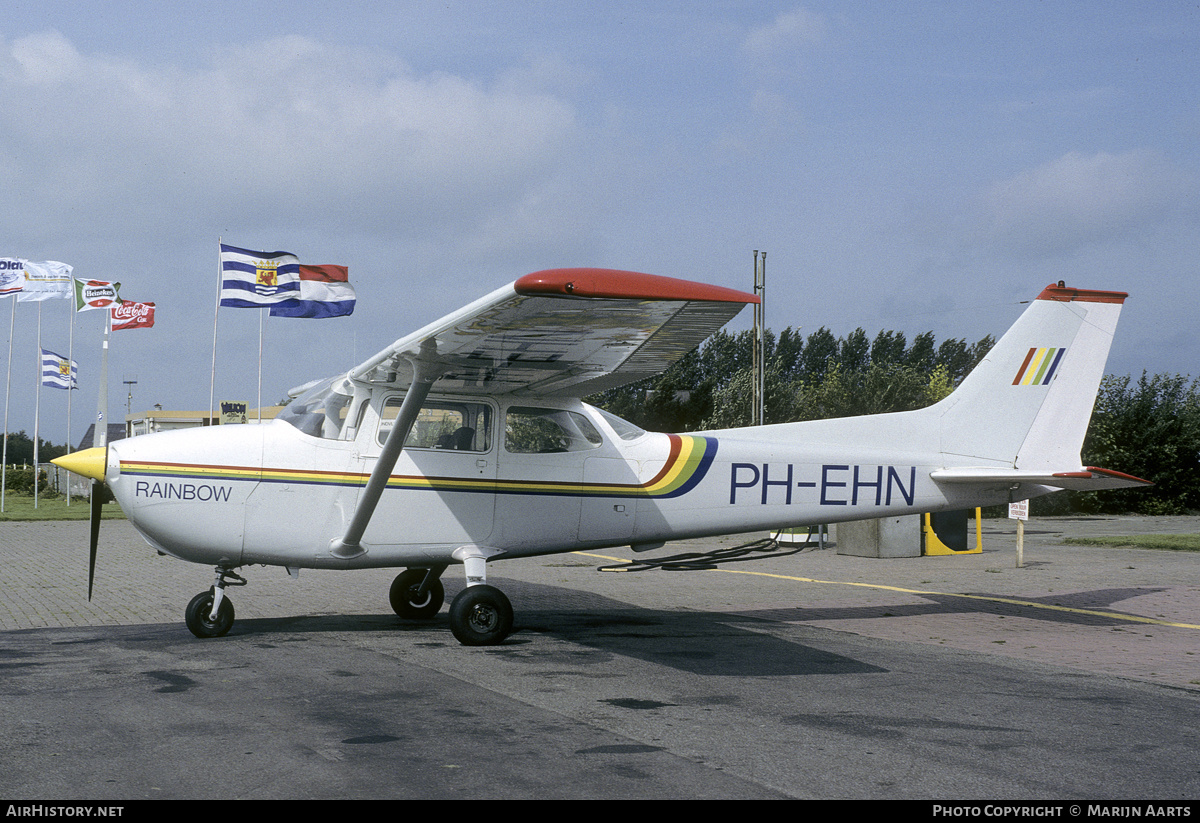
198, 620
404, 590
481, 616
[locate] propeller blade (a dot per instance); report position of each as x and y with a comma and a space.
91, 463
97, 509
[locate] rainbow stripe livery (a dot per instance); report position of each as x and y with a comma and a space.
687, 464
1039, 367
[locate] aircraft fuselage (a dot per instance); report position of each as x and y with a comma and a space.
274, 495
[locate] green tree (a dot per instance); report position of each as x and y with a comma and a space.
20, 449
940, 385
877, 389
821, 376
820, 352
1150, 429
921, 355
888, 347
854, 351
731, 403
789, 350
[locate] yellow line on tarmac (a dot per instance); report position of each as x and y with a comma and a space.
1132, 618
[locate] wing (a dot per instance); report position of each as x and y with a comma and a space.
561, 332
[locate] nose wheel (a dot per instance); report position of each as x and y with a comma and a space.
200, 620
210, 614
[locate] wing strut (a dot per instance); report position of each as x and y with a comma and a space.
425, 374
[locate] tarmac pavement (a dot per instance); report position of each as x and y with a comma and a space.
810, 675
1121, 611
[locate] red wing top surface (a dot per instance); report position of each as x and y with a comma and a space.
562, 332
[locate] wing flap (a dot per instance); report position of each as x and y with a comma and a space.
564, 332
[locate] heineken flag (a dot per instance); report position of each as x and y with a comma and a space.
96, 294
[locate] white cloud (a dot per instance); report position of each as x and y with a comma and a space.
788, 31
1079, 200
288, 127
42, 59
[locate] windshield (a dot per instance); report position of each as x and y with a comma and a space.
320, 411
623, 428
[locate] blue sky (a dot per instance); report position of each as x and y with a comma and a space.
915, 166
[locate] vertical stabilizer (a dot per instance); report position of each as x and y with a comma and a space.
1028, 403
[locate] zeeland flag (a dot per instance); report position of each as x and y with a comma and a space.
96, 294
253, 279
325, 291
58, 372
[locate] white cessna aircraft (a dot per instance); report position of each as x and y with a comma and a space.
467, 442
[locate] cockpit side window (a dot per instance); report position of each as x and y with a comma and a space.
442, 424
530, 430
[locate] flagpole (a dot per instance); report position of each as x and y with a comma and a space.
7, 384
100, 433
261, 323
70, 390
212, 383
37, 406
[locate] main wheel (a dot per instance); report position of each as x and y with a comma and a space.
481, 616
198, 617
403, 595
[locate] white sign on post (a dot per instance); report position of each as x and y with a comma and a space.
1020, 512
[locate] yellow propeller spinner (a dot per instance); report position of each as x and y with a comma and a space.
89, 462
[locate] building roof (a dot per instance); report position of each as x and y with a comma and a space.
116, 431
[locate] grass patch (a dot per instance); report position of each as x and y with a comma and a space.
19, 507
1168, 542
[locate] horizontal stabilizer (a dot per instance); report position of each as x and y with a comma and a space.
1089, 479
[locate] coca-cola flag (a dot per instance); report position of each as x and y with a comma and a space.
130, 315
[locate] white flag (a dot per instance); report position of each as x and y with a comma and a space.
12, 276
45, 281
